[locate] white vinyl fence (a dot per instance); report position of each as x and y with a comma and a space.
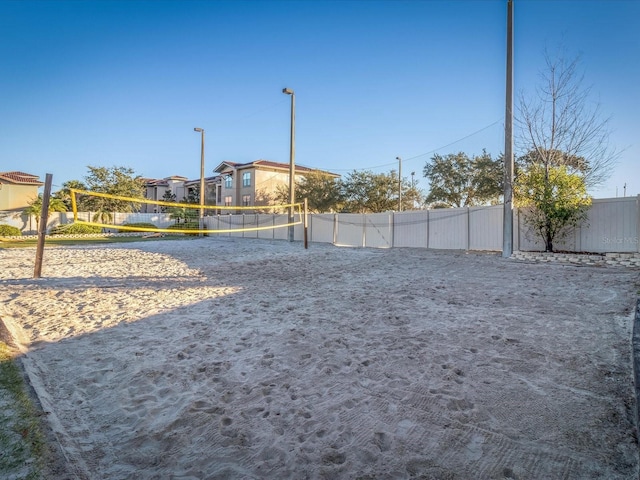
613, 225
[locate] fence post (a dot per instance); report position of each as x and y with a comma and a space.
518, 227
393, 229
468, 228
428, 228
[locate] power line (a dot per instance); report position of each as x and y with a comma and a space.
459, 140
429, 152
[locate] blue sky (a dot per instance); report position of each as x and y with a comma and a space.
123, 83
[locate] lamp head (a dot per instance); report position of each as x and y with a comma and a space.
288, 91
196, 129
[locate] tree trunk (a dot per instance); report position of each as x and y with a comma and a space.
548, 241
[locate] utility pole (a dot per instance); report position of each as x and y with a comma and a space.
507, 224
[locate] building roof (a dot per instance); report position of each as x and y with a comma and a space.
20, 178
216, 178
224, 164
155, 182
162, 182
268, 164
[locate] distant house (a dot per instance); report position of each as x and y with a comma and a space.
18, 190
254, 183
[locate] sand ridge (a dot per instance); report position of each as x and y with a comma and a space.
233, 358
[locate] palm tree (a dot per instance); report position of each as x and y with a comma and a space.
35, 207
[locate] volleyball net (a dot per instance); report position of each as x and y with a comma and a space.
134, 214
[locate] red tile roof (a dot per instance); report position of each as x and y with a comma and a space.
20, 178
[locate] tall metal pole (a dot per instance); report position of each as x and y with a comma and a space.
413, 191
399, 183
292, 156
507, 225
202, 190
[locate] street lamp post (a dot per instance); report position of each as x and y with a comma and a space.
413, 190
399, 183
202, 191
292, 166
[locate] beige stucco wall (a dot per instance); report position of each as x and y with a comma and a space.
263, 188
15, 197
266, 186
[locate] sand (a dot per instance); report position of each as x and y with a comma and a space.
223, 358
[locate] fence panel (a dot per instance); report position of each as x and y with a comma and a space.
526, 239
321, 227
612, 226
448, 228
529, 240
225, 222
213, 223
209, 223
250, 221
378, 230
298, 231
485, 228
163, 220
349, 230
265, 220
281, 233
236, 222
411, 229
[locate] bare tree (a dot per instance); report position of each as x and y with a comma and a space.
560, 126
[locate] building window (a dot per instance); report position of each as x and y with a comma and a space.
246, 179
246, 200
228, 181
228, 201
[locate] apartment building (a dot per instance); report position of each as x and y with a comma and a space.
254, 183
234, 184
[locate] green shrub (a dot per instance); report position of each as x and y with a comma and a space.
138, 225
187, 226
75, 229
9, 231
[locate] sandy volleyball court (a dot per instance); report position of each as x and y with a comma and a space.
220, 358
